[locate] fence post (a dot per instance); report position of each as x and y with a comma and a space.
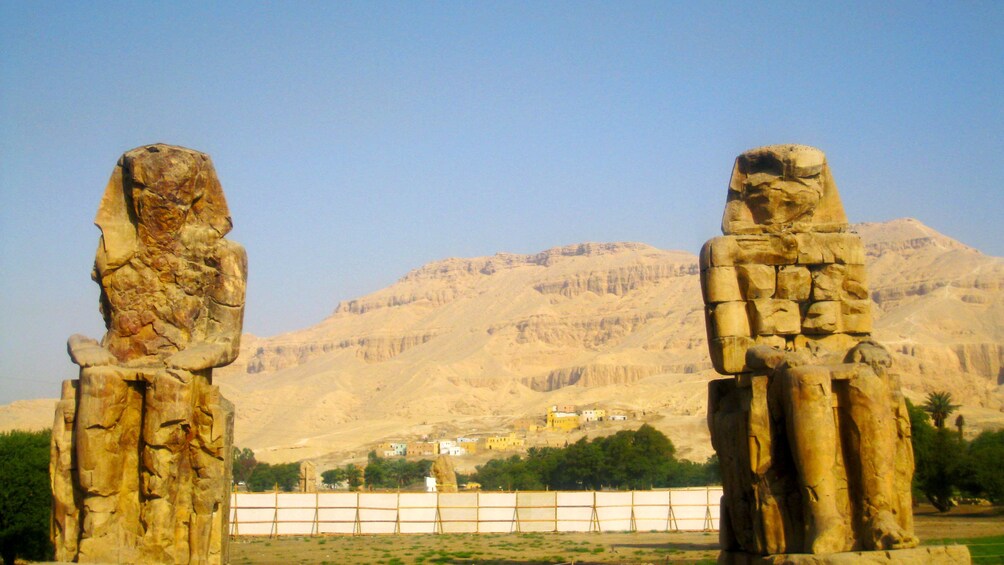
708, 520
275, 514
233, 511
357, 527
515, 512
594, 520
439, 517
555, 494
671, 525
397, 514
633, 524
316, 527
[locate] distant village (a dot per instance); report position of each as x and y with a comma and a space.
562, 418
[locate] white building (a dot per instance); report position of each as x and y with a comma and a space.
450, 447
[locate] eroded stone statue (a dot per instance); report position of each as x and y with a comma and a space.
445, 474
308, 477
812, 431
142, 440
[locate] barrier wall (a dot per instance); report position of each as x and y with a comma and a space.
278, 514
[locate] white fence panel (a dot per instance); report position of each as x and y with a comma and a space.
652, 512
458, 512
418, 513
497, 512
690, 509
337, 512
613, 511
536, 511
295, 514
715, 507
575, 511
255, 515
377, 513
271, 514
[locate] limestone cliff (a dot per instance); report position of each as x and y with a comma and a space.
471, 343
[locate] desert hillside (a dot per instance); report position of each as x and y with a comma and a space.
465, 346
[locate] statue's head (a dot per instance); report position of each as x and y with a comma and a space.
163, 182
782, 188
157, 196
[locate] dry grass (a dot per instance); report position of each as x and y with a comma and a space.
579, 548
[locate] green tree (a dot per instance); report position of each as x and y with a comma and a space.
579, 466
939, 406
940, 473
25, 499
639, 459
243, 465
332, 477
683, 473
376, 472
984, 476
636, 459
939, 458
267, 477
395, 473
354, 475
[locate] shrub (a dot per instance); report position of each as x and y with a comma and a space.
26, 499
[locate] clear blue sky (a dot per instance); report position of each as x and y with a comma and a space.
356, 141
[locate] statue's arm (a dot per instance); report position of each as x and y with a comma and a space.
87, 352
226, 315
872, 353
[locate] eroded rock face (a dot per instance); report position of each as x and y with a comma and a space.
142, 441
811, 430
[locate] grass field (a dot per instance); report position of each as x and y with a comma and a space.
979, 528
983, 550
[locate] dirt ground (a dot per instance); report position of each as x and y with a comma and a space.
578, 548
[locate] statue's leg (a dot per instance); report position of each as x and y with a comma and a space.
65, 522
106, 433
874, 419
166, 473
210, 454
808, 408
904, 460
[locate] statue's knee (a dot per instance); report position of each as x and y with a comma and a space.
870, 391
806, 384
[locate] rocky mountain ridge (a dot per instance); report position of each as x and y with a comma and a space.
467, 345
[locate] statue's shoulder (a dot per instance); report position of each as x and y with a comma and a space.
230, 247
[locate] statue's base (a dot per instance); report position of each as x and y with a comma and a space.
924, 555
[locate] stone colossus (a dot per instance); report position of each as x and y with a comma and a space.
141, 445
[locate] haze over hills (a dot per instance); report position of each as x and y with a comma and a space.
463, 346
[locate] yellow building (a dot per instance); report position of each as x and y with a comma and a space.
469, 444
564, 421
504, 443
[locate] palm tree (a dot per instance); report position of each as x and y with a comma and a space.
939, 405
960, 423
